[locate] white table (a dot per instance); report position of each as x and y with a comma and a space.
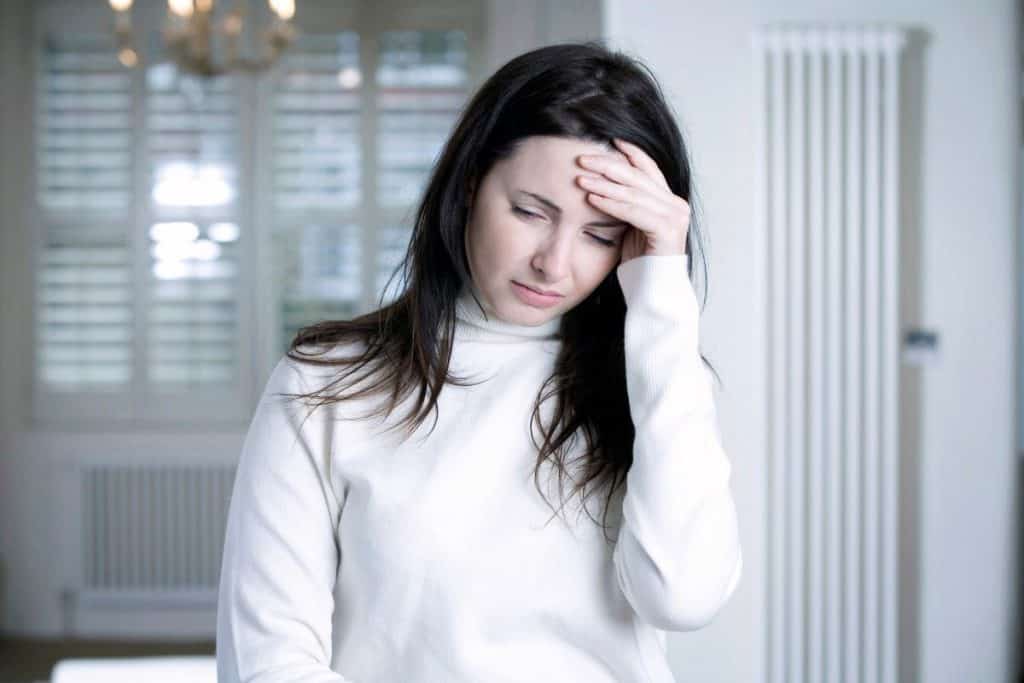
164, 669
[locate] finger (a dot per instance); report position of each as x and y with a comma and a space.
659, 200
619, 169
623, 193
638, 215
641, 160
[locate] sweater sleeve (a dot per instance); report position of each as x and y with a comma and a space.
275, 598
677, 558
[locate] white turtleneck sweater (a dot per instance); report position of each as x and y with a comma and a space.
352, 557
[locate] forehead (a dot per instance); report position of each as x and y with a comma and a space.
548, 158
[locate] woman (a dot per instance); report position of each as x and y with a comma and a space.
548, 332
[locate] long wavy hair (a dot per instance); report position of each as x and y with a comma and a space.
580, 90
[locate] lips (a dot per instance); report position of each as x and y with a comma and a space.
540, 291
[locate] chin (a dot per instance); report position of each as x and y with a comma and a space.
527, 315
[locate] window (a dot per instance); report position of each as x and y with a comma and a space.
85, 170
191, 206
189, 227
317, 184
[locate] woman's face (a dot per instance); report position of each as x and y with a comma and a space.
531, 225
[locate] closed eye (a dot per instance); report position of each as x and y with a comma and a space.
524, 212
531, 215
607, 243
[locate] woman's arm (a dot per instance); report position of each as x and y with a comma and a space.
678, 556
280, 558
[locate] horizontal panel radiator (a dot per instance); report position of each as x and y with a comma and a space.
153, 534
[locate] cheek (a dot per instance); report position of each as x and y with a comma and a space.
500, 242
599, 269
596, 264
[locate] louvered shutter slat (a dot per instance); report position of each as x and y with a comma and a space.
84, 311
422, 79
316, 171
192, 147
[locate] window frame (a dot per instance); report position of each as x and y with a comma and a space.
139, 407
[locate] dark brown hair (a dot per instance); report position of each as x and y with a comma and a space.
578, 90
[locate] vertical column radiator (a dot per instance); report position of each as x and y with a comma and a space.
827, 238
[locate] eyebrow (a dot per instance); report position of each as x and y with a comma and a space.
610, 223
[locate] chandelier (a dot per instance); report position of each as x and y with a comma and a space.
190, 34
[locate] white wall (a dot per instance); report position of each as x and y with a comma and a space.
520, 25
959, 274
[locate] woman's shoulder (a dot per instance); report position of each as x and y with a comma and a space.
306, 364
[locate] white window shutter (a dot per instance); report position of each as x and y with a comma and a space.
421, 85
84, 321
316, 154
192, 141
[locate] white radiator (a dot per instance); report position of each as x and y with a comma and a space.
827, 237
151, 534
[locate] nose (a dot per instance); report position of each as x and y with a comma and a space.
552, 256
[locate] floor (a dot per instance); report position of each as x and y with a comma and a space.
31, 660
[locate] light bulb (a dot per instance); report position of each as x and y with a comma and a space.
121, 5
283, 8
181, 8
128, 57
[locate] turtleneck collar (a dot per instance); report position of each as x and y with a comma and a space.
472, 323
